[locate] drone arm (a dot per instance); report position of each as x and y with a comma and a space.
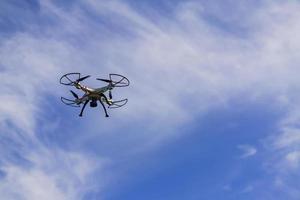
105, 98
86, 102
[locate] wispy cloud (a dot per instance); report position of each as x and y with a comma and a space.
247, 189
50, 175
179, 67
32, 170
293, 158
247, 150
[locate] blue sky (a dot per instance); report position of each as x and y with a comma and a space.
213, 102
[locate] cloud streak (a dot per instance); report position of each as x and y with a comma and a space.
247, 151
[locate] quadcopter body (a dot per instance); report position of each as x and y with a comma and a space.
94, 95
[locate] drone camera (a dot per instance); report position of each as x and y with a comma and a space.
93, 103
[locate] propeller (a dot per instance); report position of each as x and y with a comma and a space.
105, 80
121, 81
81, 79
74, 94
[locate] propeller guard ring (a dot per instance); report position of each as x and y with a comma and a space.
69, 102
118, 104
68, 80
123, 81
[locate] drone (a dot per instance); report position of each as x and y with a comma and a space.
94, 95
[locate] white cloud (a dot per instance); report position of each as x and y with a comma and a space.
293, 158
290, 136
179, 68
247, 150
30, 67
53, 175
187, 58
30, 71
